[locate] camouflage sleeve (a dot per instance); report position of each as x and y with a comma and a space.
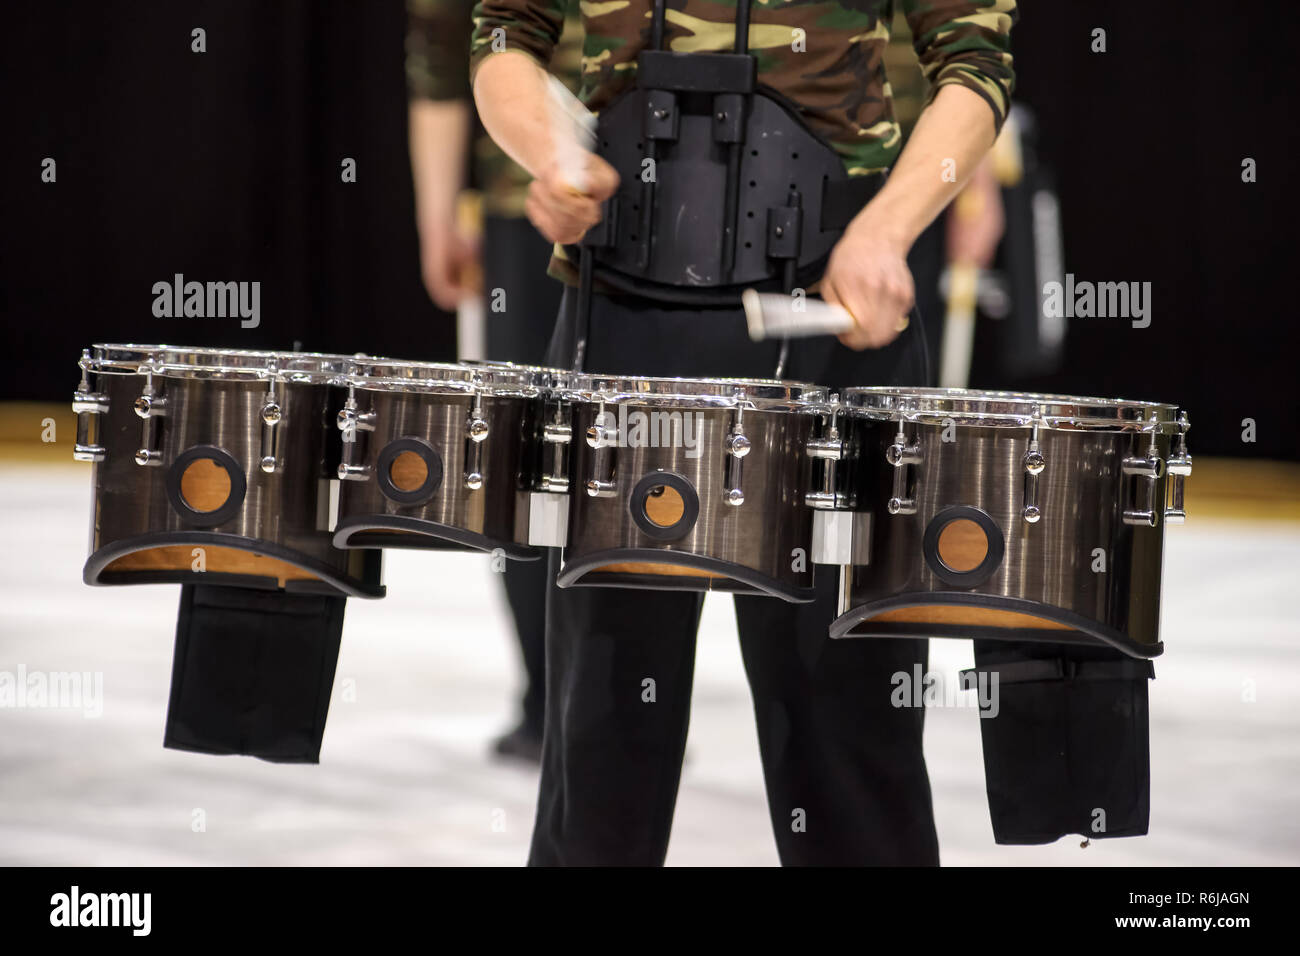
967, 42
529, 26
437, 55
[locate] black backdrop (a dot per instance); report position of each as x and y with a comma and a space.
225, 165
222, 166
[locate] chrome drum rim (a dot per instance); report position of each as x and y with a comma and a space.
176, 361
487, 378
761, 394
989, 408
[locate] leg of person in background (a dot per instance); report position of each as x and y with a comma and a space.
521, 303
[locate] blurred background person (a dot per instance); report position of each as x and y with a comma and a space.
970, 229
492, 239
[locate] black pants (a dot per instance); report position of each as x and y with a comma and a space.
514, 260
253, 672
253, 669
846, 777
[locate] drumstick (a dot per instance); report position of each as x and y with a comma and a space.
573, 134
958, 327
774, 315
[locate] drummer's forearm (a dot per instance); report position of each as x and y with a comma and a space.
950, 139
510, 91
439, 138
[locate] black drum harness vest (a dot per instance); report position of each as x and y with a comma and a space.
723, 186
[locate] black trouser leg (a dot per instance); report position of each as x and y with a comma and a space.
611, 762
253, 672
1066, 746
846, 776
515, 257
620, 664
526, 583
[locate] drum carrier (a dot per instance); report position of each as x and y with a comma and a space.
723, 185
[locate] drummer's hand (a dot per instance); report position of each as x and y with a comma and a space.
449, 258
976, 220
560, 212
868, 275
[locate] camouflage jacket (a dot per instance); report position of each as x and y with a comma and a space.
828, 56
437, 68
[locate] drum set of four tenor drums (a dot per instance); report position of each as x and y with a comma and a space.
947, 512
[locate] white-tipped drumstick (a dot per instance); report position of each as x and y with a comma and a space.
958, 327
773, 315
573, 132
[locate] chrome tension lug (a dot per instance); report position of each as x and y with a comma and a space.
1141, 510
88, 406
828, 449
601, 488
151, 406
272, 414
476, 432
1033, 463
557, 434
351, 422
904, 456
1179, 467
603, 440
737, 446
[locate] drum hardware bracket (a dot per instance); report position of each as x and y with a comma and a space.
558, 434
1179, 466
1033, 463
833, 536
350, 422
738, 446
1148, 471
838, 532
829, 450
88, 405
548, 519
476, 431
902, 456
272, 415
150, 406
599, 438
844, 591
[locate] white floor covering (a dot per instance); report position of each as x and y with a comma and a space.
405, 778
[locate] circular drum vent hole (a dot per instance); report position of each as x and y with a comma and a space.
205, 485
408, 471
963, 545
664, 506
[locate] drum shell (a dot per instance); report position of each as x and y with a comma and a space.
761, 546
284, 514
1047, 569
493, 516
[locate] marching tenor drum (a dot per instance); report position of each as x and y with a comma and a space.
690, 484
1010, 516
212, 466
441, 454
